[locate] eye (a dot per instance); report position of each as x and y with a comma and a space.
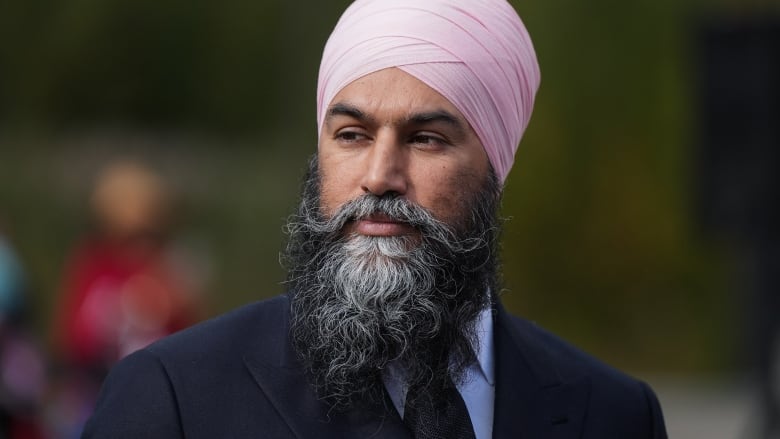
428, 141
350, 136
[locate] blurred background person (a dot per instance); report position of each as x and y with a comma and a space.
121, 290
22, 364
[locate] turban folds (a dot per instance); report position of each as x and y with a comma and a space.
475, 53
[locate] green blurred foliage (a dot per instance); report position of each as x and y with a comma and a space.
601, 245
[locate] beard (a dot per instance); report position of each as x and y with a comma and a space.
360, 303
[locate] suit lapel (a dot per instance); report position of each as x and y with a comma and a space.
532, 401
289, 391
282, 380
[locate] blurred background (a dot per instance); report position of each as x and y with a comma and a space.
151, 150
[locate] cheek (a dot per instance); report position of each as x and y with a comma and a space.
328, 194
447, 194
334, 187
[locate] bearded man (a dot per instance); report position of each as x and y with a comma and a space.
391, 326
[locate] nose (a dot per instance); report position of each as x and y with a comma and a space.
386, 167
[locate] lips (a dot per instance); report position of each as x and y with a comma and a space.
379, 224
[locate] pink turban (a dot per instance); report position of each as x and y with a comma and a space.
475, 53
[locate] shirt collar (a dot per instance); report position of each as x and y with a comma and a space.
483, 351
484, 348
483, 370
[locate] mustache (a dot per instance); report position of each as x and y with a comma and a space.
394, 207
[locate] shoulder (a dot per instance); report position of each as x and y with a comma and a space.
218, 347
615, 399
195, 383
549, 354
258, 324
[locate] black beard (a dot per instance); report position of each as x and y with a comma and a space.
359, 303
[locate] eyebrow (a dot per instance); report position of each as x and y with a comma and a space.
437, 116
349, 110
344, 109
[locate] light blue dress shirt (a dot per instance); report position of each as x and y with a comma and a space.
478, 389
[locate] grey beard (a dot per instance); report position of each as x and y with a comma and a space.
359, 303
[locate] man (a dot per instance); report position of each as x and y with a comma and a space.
391, 327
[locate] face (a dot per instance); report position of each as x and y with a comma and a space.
388, 132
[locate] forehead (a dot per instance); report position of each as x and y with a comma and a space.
394, 94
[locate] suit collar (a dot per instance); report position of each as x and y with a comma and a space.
532, 399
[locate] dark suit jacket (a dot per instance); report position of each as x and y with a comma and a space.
236, 376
